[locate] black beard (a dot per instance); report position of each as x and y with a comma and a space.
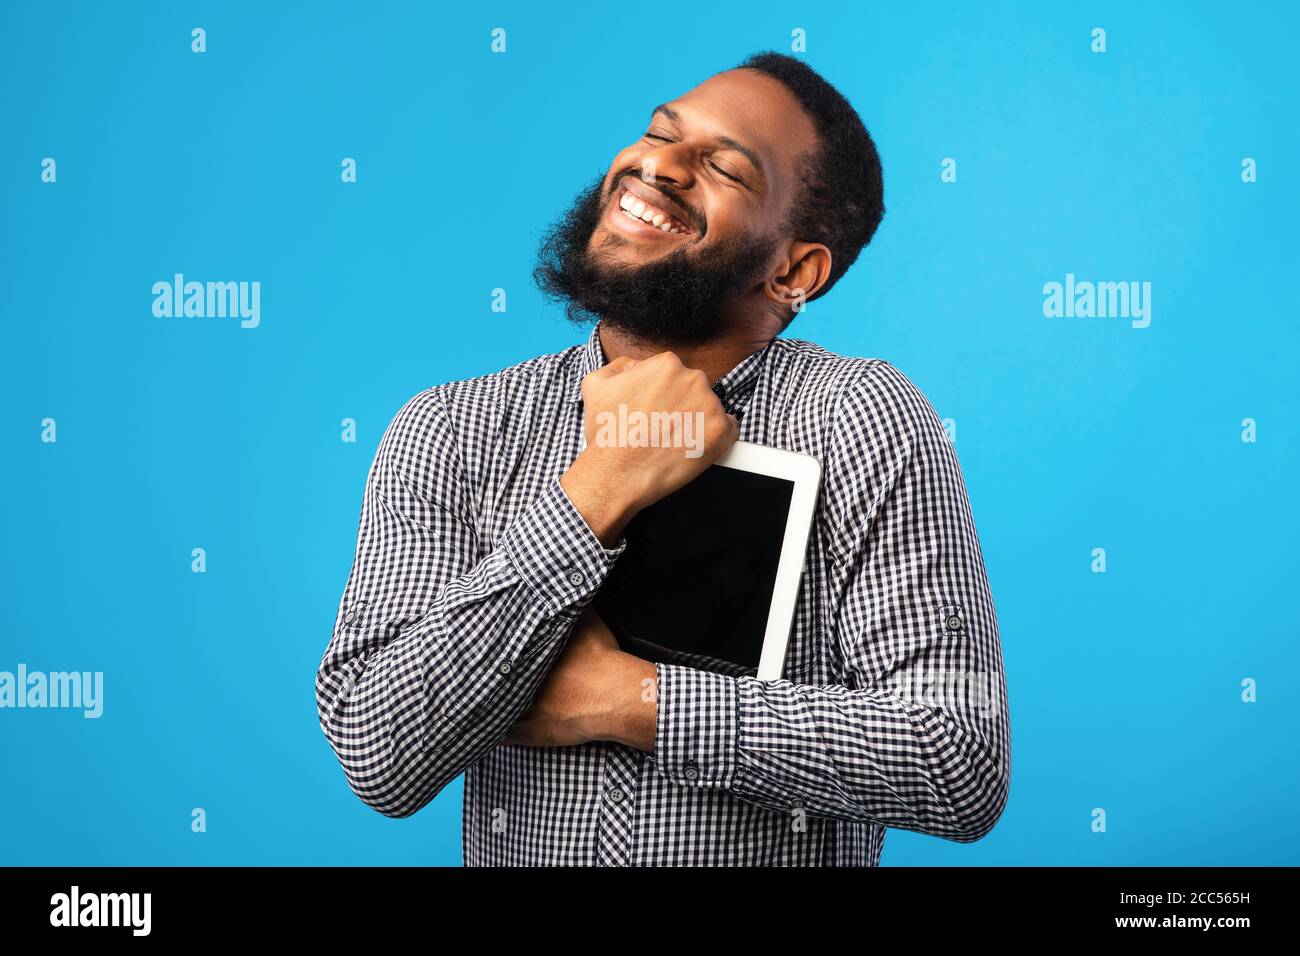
677, 299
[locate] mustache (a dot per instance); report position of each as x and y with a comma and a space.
693, 217
674, 299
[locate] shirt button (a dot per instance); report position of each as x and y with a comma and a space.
576, 577
953, 623
616, 795
505, 667
692, 771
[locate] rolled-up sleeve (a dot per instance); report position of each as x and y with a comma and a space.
914, 734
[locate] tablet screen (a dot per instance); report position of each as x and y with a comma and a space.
694, 585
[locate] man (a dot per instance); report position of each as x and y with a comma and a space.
465, 643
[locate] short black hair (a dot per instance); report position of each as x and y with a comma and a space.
843, 197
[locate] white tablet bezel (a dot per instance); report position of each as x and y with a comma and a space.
805, 473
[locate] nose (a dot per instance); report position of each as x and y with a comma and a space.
668, 163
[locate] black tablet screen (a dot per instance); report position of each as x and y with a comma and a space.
694, 586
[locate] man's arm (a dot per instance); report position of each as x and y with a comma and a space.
915, 733
435, 652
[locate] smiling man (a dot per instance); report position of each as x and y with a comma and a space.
465, 641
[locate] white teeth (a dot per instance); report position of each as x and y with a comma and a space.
641, 211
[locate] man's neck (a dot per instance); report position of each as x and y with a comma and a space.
715, 358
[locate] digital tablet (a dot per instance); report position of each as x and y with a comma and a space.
710, 576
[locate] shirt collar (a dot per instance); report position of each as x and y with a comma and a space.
734, 389
590, 357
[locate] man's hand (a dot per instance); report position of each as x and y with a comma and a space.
594, 692
610, 482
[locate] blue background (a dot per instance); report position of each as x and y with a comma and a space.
1073, 434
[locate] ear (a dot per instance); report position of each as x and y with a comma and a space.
805, 269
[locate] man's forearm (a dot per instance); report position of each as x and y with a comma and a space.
601, 499
408, 706
633, 704
832, 752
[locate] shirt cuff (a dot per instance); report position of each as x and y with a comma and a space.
556, 553
695, 726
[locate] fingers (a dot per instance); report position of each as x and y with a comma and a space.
669, 359
729, 437
610, 369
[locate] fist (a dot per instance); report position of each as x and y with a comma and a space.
652, 425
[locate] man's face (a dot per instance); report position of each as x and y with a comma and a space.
685, 227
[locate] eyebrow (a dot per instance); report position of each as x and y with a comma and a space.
726, 141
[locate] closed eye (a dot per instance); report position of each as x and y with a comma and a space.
714, 166
734, 179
